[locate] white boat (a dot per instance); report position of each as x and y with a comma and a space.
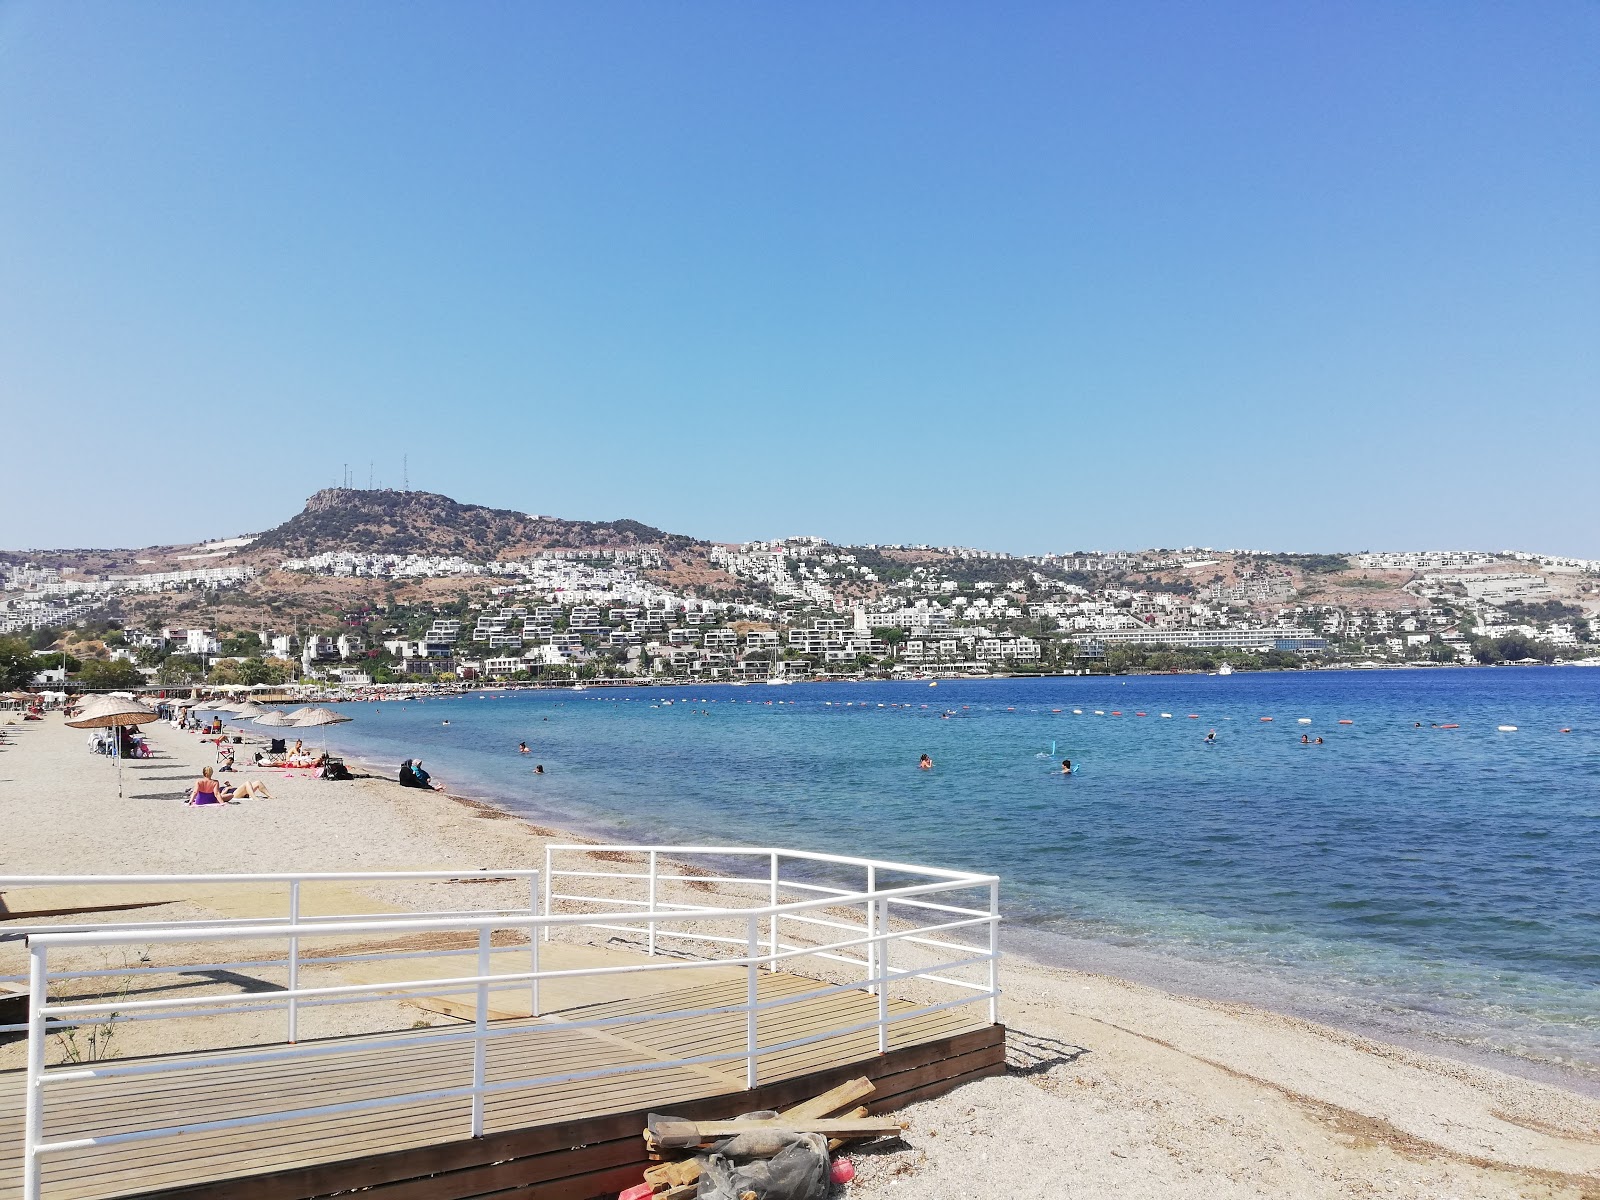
1225, 669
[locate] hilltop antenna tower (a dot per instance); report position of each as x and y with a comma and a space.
405, 473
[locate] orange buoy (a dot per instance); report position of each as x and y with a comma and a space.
1347, 722
1266, 718
1140, 714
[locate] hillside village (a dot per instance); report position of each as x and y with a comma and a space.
383, 587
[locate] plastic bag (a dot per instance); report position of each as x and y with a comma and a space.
775, 1165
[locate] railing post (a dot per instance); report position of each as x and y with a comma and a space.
883, 970
994, 952
752, 944
652, 902
772, 924
294, 961
33, 1118
481, 1028
547, 891
533, 946
872, 946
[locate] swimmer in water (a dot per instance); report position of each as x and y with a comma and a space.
1304, 740
444, 722
1212, 736
925, 763
522, 747
1066, 766
539, 769
1319, 741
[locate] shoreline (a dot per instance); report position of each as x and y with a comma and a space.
319, 693
1185, 1092
1212, 981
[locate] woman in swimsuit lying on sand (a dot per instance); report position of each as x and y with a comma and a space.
208, 791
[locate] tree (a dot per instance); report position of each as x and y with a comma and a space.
107, 676
43, 638
256, 670
893, 635
179, 669
18, 666
242, 644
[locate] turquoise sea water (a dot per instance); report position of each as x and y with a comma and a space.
1419, 883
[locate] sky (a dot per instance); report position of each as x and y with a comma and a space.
1025, 276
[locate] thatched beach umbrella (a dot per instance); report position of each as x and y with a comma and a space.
109, 712
273, 718
311, 717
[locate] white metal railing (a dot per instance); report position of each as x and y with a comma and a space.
922, 909
293, 960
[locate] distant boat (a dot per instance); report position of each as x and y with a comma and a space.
1225, 669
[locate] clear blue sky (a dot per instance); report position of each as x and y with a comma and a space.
1026, 276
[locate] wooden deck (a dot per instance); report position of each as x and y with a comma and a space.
565, 1141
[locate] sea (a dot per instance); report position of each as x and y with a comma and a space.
1420, 874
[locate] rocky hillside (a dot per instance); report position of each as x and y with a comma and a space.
393, 522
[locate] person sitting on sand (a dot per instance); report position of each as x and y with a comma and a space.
225, 756
925, 763
423, 778
205, 790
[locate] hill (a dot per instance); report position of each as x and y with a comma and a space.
394, 522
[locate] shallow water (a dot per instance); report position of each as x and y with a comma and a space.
1437, 883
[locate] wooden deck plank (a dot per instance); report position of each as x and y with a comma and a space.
305, 1146
442, 1159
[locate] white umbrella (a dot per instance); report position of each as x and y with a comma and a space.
273, 718
109, 712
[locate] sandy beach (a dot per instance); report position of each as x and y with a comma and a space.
1115, 1088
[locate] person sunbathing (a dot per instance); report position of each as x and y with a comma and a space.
250, 788
205, 790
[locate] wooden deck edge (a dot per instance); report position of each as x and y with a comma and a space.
557, 1161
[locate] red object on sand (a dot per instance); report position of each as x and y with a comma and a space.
842, 1171
637, 1192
